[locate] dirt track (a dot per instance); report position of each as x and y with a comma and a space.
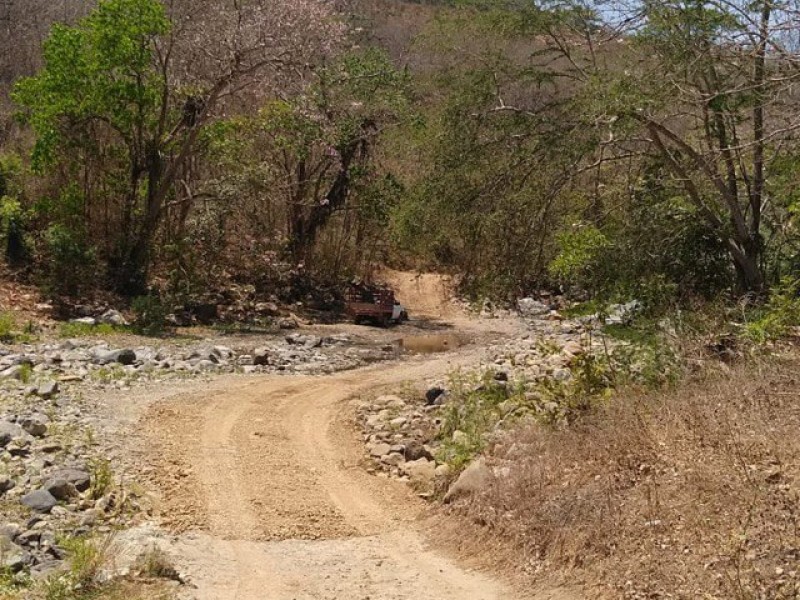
270, 475
263, 478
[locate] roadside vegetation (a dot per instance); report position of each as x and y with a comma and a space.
86, 580
688, 493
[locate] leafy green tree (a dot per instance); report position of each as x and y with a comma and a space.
705, 86
99, 103
123, 95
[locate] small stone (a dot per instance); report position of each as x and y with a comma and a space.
40, 501
35, 424
77, 477
420, 472
434, 396
113, 317
393, 459
8, 432
125, 356
90, 321
61, 489
398, 422
261, 357
379, 450
47, 390
12, 557
6, 484
459, 437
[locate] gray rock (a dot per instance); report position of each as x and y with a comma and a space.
13, 557
8, 432
47, 390
125, 356
91, 321
475, 478
261, 357
393, 459
113, 317
61, 489
289, 323
35, 424
40, 501
269, 309
379, 450
528, 307
6, 484
420, 472
307, 341
12, 372
77, 477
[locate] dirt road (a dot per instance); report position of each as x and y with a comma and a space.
264, 478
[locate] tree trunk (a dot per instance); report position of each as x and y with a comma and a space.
747, 262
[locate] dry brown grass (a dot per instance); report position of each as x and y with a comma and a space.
688, 494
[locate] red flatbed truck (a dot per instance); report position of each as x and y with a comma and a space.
374, 304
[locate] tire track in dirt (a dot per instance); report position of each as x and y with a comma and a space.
278, 505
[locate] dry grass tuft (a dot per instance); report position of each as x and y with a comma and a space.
687, 494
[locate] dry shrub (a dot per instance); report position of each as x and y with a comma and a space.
688, 494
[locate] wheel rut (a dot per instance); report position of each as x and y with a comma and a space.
273, 503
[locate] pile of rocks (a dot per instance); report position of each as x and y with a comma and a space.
48, 486
102, 363
402, 435
398, 434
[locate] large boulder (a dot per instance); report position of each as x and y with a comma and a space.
476, 478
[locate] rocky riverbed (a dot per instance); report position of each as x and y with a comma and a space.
406, 432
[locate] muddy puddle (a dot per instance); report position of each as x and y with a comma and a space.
429, 344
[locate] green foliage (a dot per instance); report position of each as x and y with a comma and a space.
478, 406
8, 326
779, 316
102, 478
150, 315
13, 217
99, 71
579, 252
80, 582
26, 373
71, 258
472, 415
76, 330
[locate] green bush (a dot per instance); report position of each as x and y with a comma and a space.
781, 313
579, 254
72, 259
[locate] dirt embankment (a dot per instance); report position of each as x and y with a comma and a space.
688, 494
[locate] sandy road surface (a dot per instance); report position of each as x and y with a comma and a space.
264, 478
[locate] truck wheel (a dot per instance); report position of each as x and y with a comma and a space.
358, 319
